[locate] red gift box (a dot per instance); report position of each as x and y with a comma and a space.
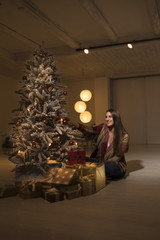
76, 157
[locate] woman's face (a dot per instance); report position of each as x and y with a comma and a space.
109, 119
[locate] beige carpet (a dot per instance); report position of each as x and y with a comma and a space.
126, 209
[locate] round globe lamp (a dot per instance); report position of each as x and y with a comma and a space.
85, 117
80, 106
86, 95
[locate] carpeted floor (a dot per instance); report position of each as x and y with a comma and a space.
127, 209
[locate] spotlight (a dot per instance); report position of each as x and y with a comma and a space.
129, 45
86, 51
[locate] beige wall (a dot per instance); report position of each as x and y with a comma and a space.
102, 95
138, 101
8, 102
97, 105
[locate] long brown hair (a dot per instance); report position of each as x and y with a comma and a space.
119, 131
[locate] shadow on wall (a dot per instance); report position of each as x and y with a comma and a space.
133, 165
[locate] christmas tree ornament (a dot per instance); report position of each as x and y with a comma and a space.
34, 142
65, 93
45, 121
64, 121
49, 89
18, 123
24, 77
71, 142
41, 54
43, 86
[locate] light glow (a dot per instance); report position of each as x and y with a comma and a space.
80, 106
86, 117
85, 95
86, 51
129, 45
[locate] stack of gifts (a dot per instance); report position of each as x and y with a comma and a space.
77, 178
93, 178
91, 175
88, 185
60, 176
56, 185
98, 170
63, 183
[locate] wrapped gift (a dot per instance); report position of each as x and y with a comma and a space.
76, 157
79, 168
53, 195
61, 176
25, 192
98, 170
88, 185
54, 163
71, 194
71, 191
8, 190
35, 186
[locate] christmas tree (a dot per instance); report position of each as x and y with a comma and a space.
39, 129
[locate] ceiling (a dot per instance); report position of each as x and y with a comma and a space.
68, 26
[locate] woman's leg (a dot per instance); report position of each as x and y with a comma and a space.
88, 159
113, 170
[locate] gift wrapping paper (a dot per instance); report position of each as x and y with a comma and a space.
76, 157
62, 176
53, 195
98, 170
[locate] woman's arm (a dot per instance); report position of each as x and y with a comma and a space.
90, 130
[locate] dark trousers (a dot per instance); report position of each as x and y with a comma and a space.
112, 169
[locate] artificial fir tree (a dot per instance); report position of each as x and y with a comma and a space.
39, 129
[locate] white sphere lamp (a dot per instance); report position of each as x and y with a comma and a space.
86, 95
85, 117
80, 106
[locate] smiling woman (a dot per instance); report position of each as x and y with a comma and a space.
112, 142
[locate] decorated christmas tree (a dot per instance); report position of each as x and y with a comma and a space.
39, 129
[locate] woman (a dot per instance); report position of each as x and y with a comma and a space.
112, 142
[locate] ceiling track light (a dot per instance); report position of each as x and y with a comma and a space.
129, 45
86, 51
118, 44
